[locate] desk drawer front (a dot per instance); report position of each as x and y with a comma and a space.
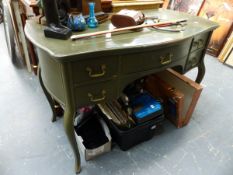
97, 93
95, 69
194, 59
199, 41
156, 58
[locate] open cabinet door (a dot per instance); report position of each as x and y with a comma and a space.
179, 93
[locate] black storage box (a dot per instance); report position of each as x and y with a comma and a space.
141, 132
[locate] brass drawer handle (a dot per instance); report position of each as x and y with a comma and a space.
200, 43
166, 59
95, 75
93, 99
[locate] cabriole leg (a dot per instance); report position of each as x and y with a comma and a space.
48, 96
69, 129
201, 72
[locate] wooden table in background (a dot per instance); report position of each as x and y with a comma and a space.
117, 5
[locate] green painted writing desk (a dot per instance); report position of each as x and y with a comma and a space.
89, 71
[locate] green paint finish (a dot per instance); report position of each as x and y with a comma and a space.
88, 71
61, 50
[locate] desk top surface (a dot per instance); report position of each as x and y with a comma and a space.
61, 49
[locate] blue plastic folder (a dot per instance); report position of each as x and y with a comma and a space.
145, 107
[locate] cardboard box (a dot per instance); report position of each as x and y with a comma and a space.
179, 93
92, 153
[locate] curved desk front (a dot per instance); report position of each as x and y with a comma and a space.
89, 71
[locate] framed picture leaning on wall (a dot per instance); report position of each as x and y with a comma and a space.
226, 49
220, 11
189, 6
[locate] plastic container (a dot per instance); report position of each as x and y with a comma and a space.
133, 136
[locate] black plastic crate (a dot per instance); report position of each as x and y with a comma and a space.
133, 136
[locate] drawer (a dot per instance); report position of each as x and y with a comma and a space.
96, 93
159, 57
199, 41
194, 59
95, 69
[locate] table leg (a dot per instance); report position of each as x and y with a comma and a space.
48, 96
201, 71
58, 109
69, 129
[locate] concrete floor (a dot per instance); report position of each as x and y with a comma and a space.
30, 144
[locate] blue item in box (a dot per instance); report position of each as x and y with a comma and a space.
145, 107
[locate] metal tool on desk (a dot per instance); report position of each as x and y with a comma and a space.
175, 27
160, 24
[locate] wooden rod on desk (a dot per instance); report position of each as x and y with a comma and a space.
160, 24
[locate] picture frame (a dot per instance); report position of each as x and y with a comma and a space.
229, 60
189, 6
219, 11
226, 49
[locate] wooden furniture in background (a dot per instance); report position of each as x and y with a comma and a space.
1, 12
15, 9
32, 4
117, 5
30, 9
106, 5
